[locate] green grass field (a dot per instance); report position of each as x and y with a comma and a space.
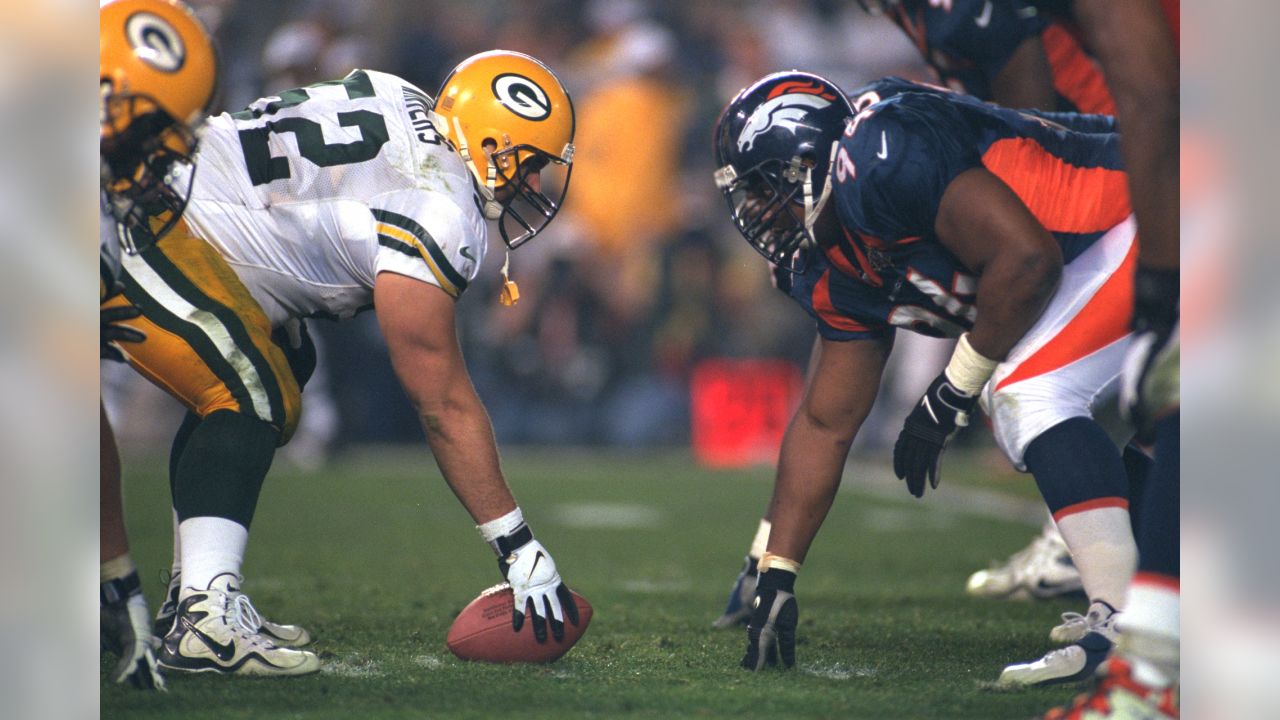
376, 557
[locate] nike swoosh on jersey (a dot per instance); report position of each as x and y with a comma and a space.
465, 252
884, 147
984, 18
224, 652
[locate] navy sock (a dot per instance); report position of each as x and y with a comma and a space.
1074, 462
1158, 542
222, 466
1137, 466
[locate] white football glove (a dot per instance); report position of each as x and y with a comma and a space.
537, 586
125, 627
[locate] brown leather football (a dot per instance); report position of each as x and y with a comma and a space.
482, 631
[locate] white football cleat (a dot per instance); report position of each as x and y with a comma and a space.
1074, 662
1043, 569
289, 636
216, 630
1075, 626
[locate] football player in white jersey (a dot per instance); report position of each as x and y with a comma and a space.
158, 73
323, 202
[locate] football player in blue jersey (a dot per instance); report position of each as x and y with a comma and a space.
1012, 52
937, 213
1137, 45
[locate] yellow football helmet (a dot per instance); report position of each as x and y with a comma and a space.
158, 78
510, 117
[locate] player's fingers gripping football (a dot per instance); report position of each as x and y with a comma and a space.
771, 633
535, 583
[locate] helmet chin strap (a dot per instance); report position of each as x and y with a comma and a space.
491, 208
811, 209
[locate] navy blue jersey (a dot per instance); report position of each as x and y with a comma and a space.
892, 166
968, 43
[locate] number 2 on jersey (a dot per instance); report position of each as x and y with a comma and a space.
265, 168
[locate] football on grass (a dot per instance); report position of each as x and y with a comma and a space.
482, 631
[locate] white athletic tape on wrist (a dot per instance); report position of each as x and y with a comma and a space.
777, 561
761, 540
504, 525
969, 369
116, 568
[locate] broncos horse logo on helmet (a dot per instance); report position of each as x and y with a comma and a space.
158, 77
773, 145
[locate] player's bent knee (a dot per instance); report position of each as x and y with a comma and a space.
1023, 412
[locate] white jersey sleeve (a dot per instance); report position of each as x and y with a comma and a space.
426, 235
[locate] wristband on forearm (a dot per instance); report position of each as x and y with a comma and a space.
969, 369
769, 560
507, 533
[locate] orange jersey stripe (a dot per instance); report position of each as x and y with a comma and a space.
1102, 321
1076, 76
1095, 504
827, 310
1062, 196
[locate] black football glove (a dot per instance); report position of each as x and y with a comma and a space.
772, 630
918, 452
1155, 320
112, 332
537, 587
125, 628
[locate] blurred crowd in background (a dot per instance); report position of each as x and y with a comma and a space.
642, 276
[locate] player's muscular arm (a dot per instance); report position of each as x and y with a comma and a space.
1140, 62
1026, 80
417, 321
844, 379
1018, 263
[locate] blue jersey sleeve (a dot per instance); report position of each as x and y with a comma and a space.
1079, 122
890, 175
984, 32
844, 308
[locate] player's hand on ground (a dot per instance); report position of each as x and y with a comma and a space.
1155, 321
113, 332
771, 633
539, 591
125, 626
918, 452
738, 609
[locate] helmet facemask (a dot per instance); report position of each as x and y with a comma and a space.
773, 205
528, 207
147, 171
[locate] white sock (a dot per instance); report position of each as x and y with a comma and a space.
761, 541
1150, 627
1102, 546
176, 568
211, 546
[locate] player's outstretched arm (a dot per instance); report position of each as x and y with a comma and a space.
1018, 264
418, 322
843, 382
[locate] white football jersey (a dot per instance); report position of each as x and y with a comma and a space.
311, 193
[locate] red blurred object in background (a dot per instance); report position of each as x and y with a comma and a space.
741, 409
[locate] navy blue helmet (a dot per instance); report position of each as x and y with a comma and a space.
773, 146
